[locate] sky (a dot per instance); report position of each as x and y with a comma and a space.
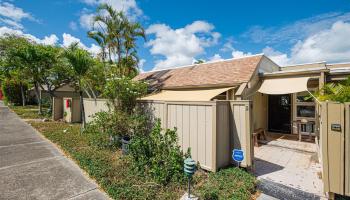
179, 32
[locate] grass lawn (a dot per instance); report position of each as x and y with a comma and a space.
28, 112
112, 172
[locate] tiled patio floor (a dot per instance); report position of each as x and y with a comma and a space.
291, 163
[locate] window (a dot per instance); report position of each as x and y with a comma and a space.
305, 106
306, 111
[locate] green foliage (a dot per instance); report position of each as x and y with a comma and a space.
107, 127
231, 183
80, 61
158, 155
117, 37
114, 174
110, 170
339, 92
123, 92
12, 91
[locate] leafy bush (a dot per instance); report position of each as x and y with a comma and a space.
123, 92
107, 127
12, 91
158, 155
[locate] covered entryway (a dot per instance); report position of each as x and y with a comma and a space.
284, 164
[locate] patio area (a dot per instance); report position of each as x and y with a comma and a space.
284, 160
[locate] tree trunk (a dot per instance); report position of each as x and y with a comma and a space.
38, 97
82, 110
23, 95
52, 95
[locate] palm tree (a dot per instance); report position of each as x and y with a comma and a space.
133, 30
117, 36
111, 25
80, 62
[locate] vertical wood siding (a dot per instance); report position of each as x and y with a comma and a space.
92, 107
210, 129
241, 130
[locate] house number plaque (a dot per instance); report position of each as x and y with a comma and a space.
336, 127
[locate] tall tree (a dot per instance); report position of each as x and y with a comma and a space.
55, 72
80, 62
117, 36
11, 66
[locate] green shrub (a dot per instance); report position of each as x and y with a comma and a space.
122, 93
158, 155
106, 128
12, 91
231, 183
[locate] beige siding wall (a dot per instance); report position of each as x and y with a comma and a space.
76, 110
57, 112
92, 107
241, 130
194, 124
205, 128
333, 147
210, 129
223, 148
260, 110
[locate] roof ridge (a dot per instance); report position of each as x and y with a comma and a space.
210, 62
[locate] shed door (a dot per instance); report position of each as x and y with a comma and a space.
279, 116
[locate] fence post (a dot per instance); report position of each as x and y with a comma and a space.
347, 149
324, 142
214, 166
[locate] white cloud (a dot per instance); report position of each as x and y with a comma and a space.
129, 7
68, 39
49, 40
11, 23
278, 57
86, 20
141, 64
73, 26
180, 46
216, 57
331, 45
228, 46
13, 12
240, 54
298, 30
12, 15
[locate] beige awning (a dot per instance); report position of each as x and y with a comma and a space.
284, 85
186, 95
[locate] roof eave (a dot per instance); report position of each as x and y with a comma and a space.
201, 86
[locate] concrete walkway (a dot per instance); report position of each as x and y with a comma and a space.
33, 168
286, 167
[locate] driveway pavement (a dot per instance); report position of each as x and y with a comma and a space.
33, 168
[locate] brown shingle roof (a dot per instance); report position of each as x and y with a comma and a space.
222, 73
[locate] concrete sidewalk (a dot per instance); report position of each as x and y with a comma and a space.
33, 168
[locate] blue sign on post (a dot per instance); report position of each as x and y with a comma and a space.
237, 155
